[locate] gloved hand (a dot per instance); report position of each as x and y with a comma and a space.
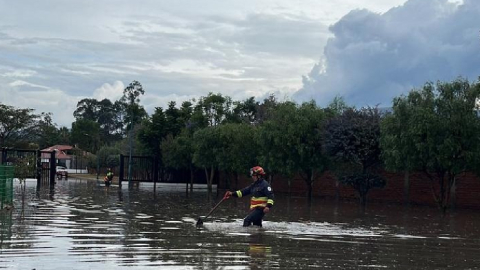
266, 210
227, 195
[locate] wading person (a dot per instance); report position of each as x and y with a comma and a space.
108, 178
262, 197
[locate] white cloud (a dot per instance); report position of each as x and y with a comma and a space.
375, 57
40, 98
109, 91
19, 74
24, 83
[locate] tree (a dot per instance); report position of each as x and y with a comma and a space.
177, 153
214, 108
152, 131
63, 135
86, 135
272, 139
186, 111
337, 106
352, 141
105, 113
206, 146
237, 151
435, 130
86, 109
243, 111
47, 132
16, 125
173, 119
134, 112
110, 120
108, 156
290, 142
264, 110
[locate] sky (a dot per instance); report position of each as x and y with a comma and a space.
54, 53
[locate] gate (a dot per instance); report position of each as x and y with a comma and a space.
143, 169
40, 165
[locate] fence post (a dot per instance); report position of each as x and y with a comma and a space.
155, 171
120, 175
4, 156
53, 168
39, 167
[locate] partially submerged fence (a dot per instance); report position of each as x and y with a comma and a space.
6, 185
150, 169
138, 168
41, 168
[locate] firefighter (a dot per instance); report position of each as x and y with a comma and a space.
108, 178
262, 197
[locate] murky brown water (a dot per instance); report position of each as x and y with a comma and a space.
83, 225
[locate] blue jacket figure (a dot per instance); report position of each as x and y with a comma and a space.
262, 197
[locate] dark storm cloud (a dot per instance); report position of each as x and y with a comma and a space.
375, 57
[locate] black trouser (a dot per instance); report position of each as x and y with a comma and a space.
255, 217
108, 181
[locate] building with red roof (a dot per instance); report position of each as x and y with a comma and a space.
65, 155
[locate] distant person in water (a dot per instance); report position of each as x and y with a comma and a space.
262, 197
108, 178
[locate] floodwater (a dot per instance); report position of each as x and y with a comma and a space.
83, 225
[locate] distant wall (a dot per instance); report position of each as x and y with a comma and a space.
80, 171
467, 192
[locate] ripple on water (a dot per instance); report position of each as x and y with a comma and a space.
294, 229
88, 231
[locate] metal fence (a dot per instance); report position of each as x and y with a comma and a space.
142, 168
38, 164
6, 185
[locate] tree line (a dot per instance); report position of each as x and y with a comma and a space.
434, 129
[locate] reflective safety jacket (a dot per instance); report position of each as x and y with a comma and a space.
262, 194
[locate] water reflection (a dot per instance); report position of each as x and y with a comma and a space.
260, 253
82, 225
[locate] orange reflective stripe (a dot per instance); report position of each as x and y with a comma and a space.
258, 202
258, 205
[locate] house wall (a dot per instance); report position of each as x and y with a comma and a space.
467, 191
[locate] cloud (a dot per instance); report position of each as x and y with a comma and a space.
22, 94
112, 92
374, 57
24, 83
177, 49
19, 74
